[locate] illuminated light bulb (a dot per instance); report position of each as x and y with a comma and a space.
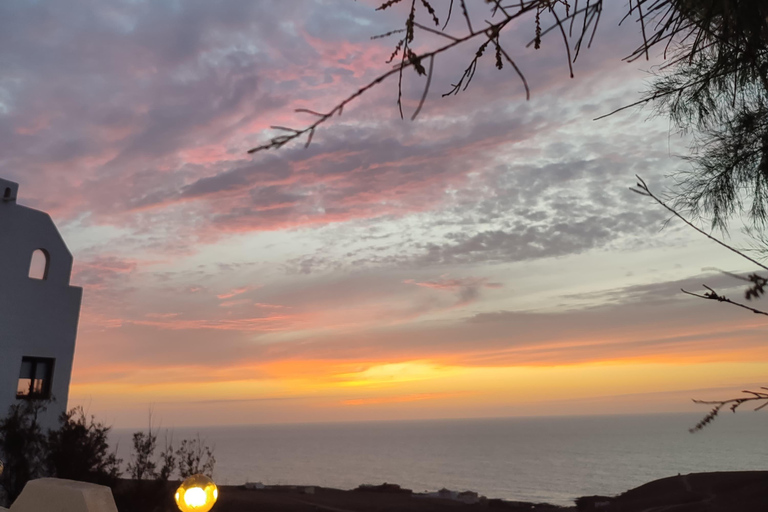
195, 497
197, 493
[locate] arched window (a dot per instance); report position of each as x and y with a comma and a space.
38, 266
7, 193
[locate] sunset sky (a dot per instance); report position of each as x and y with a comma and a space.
486, 259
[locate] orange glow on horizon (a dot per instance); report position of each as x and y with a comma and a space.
396, 385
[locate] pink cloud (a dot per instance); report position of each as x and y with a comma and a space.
269, 306
103, 271
234, 303
149, 135
161, 315
235, 291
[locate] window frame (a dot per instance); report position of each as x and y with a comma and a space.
47, 379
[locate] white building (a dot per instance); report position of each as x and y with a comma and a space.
39, 310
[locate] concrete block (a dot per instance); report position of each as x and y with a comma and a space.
57, 495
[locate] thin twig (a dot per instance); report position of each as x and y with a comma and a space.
642, 27
433, 31
517, 70
466, 16
657, 95
713, 295
644, 190
732, 404
448, 18
282, 140
426, 88
669, 22
565, 40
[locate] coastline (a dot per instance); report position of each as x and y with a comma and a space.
742, 491
531, 459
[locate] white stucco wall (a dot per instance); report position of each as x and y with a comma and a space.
38, 318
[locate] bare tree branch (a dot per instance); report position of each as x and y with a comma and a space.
756, 290
713, 295
409, 59
693, 27
732, 404
642, 189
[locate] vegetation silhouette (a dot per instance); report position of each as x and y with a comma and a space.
79, 450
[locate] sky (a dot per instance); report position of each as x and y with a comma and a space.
484, 260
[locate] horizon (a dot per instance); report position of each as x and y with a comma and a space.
563, 457
694, 411
160, 427
486, 258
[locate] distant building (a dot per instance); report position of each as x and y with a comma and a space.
468, 497
39, 310
447, 494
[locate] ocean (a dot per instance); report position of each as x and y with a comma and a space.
547, 459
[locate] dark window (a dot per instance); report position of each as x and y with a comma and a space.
38, 265
7, 193
35, 378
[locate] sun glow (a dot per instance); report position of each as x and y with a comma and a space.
295, 390
394, 373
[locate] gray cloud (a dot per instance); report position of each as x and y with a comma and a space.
524, 242
137, 115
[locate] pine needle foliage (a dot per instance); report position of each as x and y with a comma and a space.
716, 88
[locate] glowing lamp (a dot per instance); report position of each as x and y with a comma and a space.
197, 493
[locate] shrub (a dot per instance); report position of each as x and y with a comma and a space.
142, 464
194, 456
167, 460
22, 446
79, 450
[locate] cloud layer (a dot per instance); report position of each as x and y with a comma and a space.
390, 262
